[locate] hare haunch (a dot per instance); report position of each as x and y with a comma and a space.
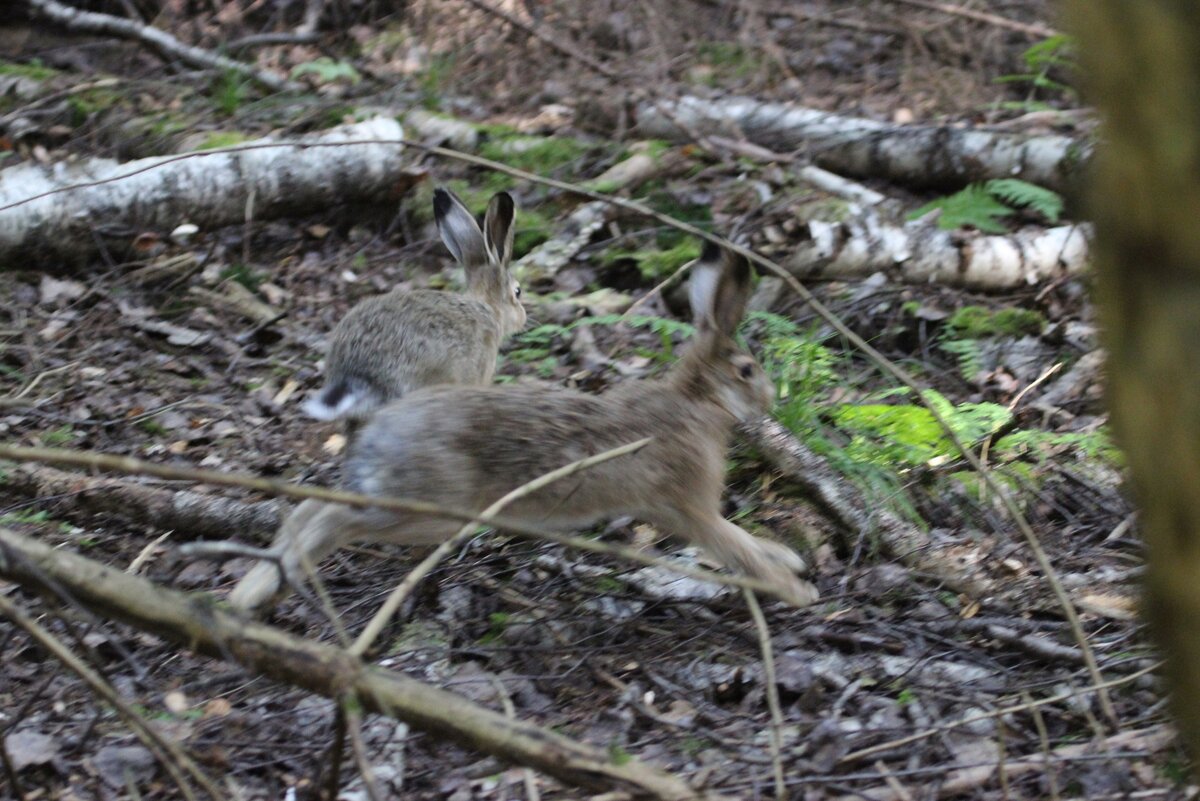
390, 345
465, 447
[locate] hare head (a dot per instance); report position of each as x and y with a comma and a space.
484, 254
716, 366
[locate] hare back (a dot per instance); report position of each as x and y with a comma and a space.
468, 446
403, 340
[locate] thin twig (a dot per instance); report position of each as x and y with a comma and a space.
353, 719
126, 464
405, 587
768, 657
571, 51
168, 753
530, 780
1030, 29
997, 713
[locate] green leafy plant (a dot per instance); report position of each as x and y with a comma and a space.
326, 70
909, 434
654, 265
976, 322
59, 436
984, 206
229, 91
1022, 194
967, 354
1045, 445
218, 139
1052, 53
243, 275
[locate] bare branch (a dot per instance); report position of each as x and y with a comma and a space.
198, 624
73, 19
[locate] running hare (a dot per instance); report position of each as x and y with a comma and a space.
465, 447
391, 344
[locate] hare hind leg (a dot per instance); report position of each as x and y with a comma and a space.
313, 530
316, 529
770, 562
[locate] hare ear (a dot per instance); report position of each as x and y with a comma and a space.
498, 227
719, 289
458, 228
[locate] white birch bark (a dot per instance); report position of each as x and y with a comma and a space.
920, 252
55, 213
914, 155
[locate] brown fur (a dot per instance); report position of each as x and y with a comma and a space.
464, 447
389, 345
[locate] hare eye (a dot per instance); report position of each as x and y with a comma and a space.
517, 291
746, 370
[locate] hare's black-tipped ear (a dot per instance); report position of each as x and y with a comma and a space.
458, 228
498, 227
719, 289
733, 292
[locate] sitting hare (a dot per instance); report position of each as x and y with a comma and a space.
391, 344
465, 447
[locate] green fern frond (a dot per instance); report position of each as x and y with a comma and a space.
974, 206
968, 355
1020, 193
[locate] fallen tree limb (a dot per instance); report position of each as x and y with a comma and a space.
196, 623
166, 45
192, 514
208, 189
920, 252
922, 156
843, 503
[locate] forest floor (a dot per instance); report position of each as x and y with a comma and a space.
943, 683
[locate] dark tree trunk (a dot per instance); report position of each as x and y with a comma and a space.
1142, 61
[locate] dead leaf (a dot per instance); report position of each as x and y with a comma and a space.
1110, 605
318, 231
118, 765
289, 389
334, 445
176, 702
51, 290
146, 241
175, 334
26, 748
217, 708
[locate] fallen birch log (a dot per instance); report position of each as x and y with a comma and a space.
54, 212
197, 624
193, 515
919, 252
920, 156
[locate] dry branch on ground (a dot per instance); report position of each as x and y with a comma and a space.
80, 21
198, 624
192, 515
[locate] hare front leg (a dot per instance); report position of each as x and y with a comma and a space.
770, 562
